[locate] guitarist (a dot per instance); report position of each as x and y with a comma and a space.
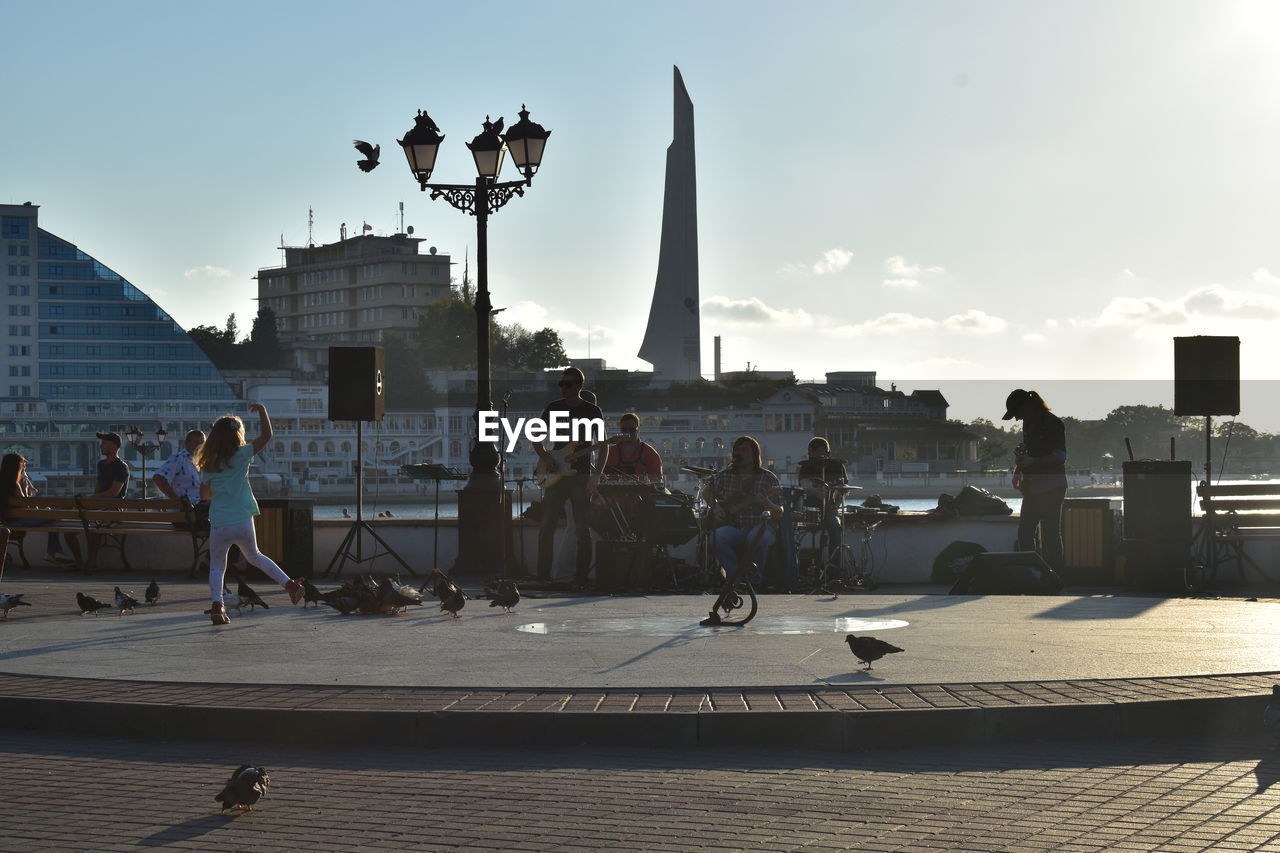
1040, 474
575, 489
739, 496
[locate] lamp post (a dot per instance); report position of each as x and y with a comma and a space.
145, 448
482, 501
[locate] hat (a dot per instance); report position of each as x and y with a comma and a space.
1014, 402
111, 436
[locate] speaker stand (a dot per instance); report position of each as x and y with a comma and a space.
352, 547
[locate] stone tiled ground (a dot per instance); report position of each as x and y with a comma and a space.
109, 794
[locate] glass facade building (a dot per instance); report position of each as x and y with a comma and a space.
87, 352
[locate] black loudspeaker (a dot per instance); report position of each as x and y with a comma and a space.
616, 564
357, 384
1157, 524
1157, 499
1206, 375
1008, 573
665, 519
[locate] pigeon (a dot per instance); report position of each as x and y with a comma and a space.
402, 595
1271, 713
125, 601
9, 600
505, 595
230, 600
89, 604
310, 593
868, 649
246, 786
370, 152
453, 600
249, 597
153, 593
498, 125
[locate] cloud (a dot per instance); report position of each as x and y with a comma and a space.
534, 317
832, 261
1034, 338
752, 310
207, 272
942, 362
1140, 311
976, 322
1262, 275
1217, 301
906, 275
887, 323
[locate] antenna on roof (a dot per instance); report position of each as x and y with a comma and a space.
311, 221
282, 254
401, 217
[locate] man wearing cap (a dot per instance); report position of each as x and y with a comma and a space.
113, 472
1040, 474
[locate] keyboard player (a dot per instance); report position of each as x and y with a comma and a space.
635, 458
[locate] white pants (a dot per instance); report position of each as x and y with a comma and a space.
220, 541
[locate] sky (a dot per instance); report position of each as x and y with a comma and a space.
954, 194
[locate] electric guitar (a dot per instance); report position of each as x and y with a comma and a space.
558, 463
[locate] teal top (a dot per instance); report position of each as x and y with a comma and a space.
233, 501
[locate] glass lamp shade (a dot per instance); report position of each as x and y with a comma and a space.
526, 140
488, 150
134, 434
421, 145
161, 434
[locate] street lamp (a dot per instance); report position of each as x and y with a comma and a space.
481, 503
145, 449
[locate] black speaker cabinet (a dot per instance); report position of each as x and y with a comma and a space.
357, 383
1157, 499
1206, 375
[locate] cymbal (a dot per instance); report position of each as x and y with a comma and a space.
701, 472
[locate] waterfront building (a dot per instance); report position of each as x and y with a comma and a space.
349, 293
87, 352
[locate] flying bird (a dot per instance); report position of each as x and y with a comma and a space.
9, 600
1271, 713
153, 592
246, 786
89, 604
868, 649
125, 601
370, 152
498, 125
249, 597
505, 595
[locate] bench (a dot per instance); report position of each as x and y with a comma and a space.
111, 522
1234, 515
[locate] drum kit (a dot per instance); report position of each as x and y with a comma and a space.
815, 563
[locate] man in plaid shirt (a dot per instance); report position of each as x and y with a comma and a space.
741, 495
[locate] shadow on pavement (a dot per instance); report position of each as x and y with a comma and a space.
187, 830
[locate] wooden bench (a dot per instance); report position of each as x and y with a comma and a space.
1234, 515
109, 522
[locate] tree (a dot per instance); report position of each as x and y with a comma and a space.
263, 347
232, 330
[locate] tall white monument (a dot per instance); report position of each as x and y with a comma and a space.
671, 342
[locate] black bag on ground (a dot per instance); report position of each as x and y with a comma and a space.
953, 560
1008, 573
974, 501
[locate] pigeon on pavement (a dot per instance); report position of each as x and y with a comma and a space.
89, 604
310, 593
249, 597
505, 595
10, 600
153, 592
868, 649
246, 786
1271, 713
125, 601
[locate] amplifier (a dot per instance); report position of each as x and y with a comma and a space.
666, 519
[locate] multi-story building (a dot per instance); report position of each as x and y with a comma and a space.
349, 293
89, 352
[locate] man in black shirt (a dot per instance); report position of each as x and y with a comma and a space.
113, 472
576, 487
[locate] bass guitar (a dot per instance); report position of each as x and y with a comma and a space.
724, 513
558, 464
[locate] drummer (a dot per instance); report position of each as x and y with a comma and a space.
824, 481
